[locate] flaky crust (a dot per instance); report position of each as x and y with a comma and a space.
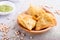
26, 21
45, 20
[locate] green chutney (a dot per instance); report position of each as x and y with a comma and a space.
5, 8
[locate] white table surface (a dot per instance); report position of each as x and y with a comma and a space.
22, 5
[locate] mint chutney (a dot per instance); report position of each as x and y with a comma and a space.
5, 8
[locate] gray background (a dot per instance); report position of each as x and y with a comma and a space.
22, 5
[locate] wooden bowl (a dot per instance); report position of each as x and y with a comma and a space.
33, 31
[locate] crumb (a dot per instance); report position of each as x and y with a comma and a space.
4, 34
31, 37
4, 28
21, 38
49, 6
17, 32
58, 12
5, 38
18, 36
22, 34
1, 23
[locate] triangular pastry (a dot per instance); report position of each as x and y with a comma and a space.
33, 11
26, 21
45, 20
